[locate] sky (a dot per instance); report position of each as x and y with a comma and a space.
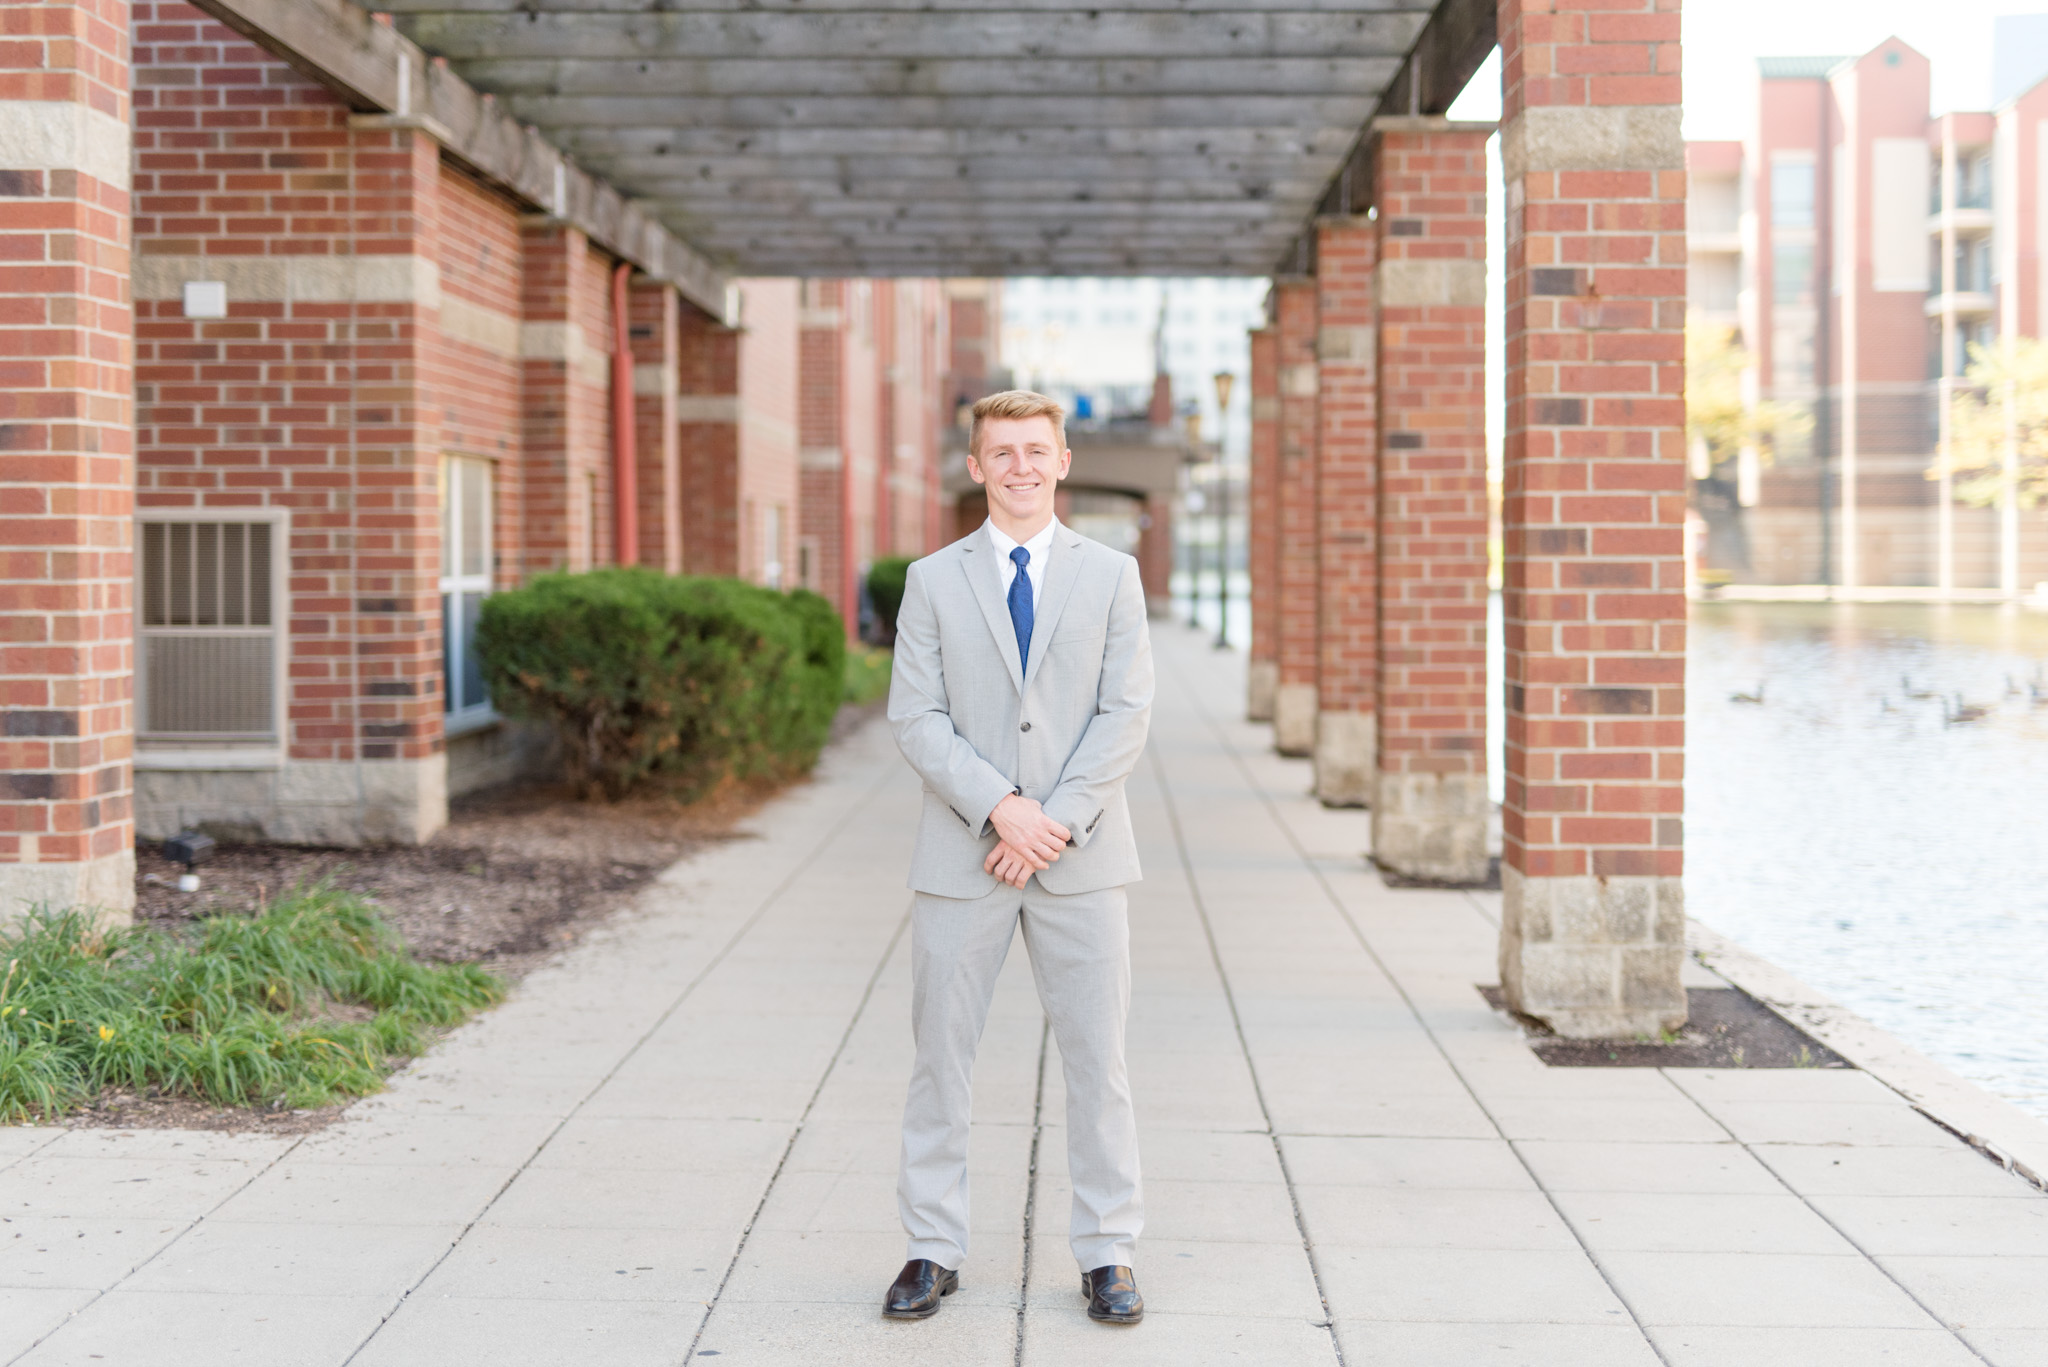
1723, 39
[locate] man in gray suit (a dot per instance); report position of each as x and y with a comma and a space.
1022, 693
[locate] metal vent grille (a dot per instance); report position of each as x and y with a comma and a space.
209, 641
206, 574
208, 685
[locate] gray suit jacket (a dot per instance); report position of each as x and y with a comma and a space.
977, 728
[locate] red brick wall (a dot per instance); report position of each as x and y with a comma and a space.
708, 441
1263, 514
66, 471
1297, 552
767, 483
472, 359
1431, 200
1346, 470
653, 311
304, 397
1594, 497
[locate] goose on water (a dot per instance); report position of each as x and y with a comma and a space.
1963, 711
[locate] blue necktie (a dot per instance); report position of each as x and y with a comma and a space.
1020, 606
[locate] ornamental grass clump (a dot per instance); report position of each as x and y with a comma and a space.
235, 1010
680, 680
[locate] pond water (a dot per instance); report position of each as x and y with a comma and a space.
1845, 831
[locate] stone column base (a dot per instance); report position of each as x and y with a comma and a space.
105, 885
1594, 958
1294, 719
1261, 678
1432, 826
303, 802
1347, 744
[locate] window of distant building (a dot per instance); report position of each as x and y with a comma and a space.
1791, 192
1792, 273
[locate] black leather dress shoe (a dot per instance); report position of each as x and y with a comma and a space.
918, 1289
1112, 1294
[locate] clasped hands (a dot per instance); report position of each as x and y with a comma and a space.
1030, 840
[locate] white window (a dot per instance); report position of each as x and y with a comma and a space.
465, 581
771, 545
209, 601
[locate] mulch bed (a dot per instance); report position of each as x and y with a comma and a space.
1725, 1028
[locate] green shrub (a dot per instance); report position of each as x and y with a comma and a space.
886, 580
236, 1011
684, 680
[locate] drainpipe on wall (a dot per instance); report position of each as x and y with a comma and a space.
625, 457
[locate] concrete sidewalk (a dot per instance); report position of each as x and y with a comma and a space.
680, 1141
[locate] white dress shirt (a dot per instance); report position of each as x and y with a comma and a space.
1039, 546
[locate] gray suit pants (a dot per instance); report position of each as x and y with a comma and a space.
1080, 949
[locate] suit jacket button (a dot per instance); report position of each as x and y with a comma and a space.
1025, 727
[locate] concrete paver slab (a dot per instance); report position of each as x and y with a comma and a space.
1978, 1293
626, 1198
1509, 1345
1839, 1346
1839, 1170
1449, 1286
29, 1313
83, 1252
230, 1258
2010, 1347
1761, 1289
48, 1185
365, 1194
1603, 1165
1433, 1217
178, 1329
1676, 1222
639, 1142
1801, 1122
506, 1332
1453, 1164
675, 1265
1968, 1226
1674, 1120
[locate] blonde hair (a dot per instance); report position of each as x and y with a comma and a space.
1017, 403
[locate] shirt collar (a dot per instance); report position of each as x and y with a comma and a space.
1037, 545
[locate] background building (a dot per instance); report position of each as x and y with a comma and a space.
1860, 248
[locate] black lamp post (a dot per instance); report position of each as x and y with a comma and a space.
1194, 431
1224, 380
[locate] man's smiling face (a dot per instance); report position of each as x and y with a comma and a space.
1020, 462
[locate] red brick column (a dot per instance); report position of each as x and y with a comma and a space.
1430, 806
1262, 671
826, 473
67, 468
1347, 448
565, 344
1155, 553
653, 329
1294, 699
1593, 921
708, 440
